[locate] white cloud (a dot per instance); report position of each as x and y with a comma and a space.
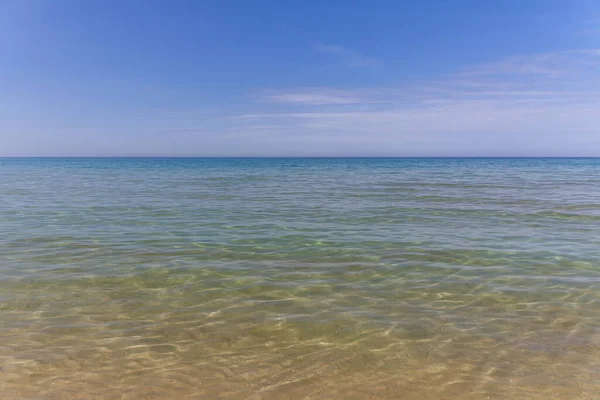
543, 104
502, 108
563, 77
321, 96
348, 56
546, 65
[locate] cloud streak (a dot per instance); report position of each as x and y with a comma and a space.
545, 104
323, 96
312, 97
547, 65
348, 56
541, 105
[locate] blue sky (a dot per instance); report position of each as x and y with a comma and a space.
311, 78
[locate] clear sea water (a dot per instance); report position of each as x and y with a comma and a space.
300, 279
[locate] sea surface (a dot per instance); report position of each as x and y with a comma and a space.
299, 279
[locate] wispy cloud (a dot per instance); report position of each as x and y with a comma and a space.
319, 96
323, 96
547, 65
545, 102
564, 77
348, 56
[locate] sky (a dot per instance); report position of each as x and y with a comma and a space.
304, 78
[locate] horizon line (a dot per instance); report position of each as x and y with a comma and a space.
288, 157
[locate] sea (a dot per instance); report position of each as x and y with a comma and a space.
300, 278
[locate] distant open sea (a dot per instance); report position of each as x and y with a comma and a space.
299, 278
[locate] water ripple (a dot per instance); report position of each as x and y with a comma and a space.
300, 278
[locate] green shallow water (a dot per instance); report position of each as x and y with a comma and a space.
300, 278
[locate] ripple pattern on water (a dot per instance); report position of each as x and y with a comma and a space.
300, 278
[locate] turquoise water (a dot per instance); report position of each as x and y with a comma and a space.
300, 278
